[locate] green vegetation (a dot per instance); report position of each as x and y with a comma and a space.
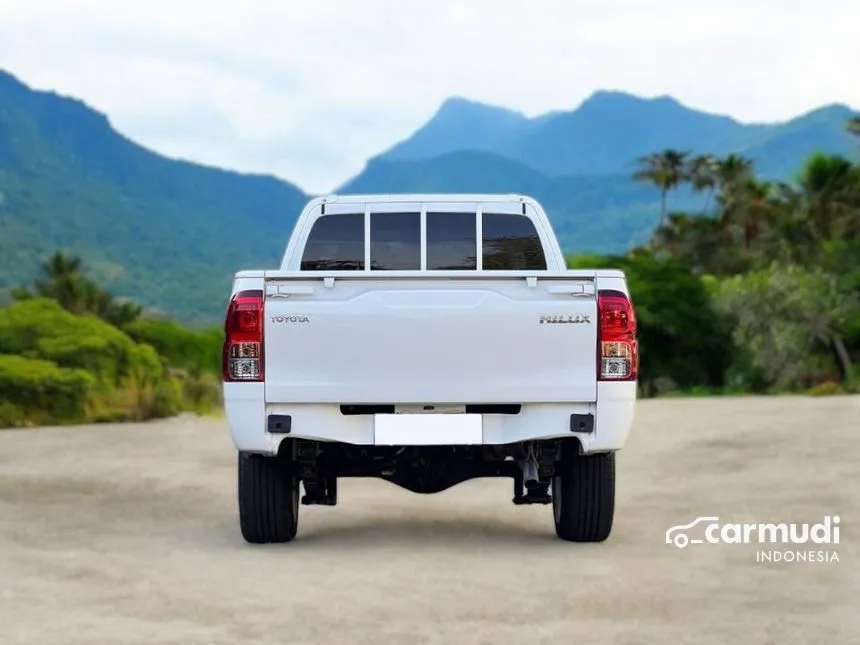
760, 293
70, 352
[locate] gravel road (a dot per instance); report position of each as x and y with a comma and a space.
128, 534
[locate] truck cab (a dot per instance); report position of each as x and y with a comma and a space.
427, 340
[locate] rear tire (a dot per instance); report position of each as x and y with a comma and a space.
583, 497
268, 499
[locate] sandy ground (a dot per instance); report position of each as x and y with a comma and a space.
129, 534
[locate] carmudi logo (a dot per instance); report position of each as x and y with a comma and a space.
712, 531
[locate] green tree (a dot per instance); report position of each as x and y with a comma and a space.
749, 211
830, 185
703, 174
781, 314
62, 278
783, 260
733, 172
694, 241
666, 170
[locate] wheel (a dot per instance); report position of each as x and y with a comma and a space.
268, 499
583, 497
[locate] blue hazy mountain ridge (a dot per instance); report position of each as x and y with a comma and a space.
171, 233
609, 130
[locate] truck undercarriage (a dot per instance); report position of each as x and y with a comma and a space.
424, 469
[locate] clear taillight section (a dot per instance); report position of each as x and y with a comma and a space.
618, 351
242, 358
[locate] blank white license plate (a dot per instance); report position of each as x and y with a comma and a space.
428, 429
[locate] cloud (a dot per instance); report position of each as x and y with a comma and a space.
309, 90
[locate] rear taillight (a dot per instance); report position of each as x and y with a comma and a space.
618, 350
242, 358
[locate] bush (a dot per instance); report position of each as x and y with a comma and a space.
828, 388
41, 328
786, 322
34, 391
189, 349
127, 377
199, 392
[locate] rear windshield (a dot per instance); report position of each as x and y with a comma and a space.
508, 242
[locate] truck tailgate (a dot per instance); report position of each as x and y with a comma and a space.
406, 340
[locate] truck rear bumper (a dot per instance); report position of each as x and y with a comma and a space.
612, 415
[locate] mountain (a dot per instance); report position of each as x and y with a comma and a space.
780, 151
609, 130
168, 233
460, 124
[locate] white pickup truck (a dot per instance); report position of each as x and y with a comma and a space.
427, 340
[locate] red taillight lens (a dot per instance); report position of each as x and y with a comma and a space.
242, 358
618, 352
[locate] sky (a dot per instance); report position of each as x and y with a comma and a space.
308, 90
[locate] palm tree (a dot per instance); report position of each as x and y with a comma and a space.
733, 171
830, 185
666, 170
695, 241
752, 210
62, 278
671, 235
121, 313
60, 266
703, 173
788, 239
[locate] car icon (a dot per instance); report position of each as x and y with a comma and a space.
675, 535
